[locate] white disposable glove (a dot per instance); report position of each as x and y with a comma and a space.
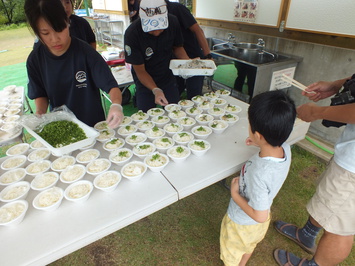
115, 115
159, 97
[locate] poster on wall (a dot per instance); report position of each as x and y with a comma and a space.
245, 10
277, 82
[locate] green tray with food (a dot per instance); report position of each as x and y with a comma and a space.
60, 131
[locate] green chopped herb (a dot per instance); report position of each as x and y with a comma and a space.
192, 110
200, 144
160, 117
183, 134
105, 132
180, 149
165, 140
214, 125
123, 154
128, 128
228, 116
146, 122
157, 110
134, 137
143, 147
62, 133
216, 109
155, 129
155, 157
201, 129
113, 141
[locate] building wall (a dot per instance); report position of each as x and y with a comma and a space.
320, 62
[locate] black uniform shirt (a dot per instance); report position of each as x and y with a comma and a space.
73, 79
154, 52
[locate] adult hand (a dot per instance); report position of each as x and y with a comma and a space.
160, 97
115, 115
321, 89
307, 112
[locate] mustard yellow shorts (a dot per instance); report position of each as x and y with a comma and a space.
237, 240
333, 204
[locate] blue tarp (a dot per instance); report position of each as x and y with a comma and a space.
82, 12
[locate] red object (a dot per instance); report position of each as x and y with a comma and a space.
116, 62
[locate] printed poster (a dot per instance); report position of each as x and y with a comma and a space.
277, 82
245, 10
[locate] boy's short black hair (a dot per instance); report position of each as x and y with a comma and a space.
51, 11
272, 114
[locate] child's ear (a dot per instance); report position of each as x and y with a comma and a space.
258, 136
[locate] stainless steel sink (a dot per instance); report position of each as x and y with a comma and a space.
248, 45
215, 43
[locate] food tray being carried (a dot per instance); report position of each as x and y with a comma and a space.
194, 67
32, 123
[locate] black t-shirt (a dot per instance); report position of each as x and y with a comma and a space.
73, 79
81, 29
186, 20
154, 52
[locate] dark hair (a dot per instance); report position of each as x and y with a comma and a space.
52, 11
272, 114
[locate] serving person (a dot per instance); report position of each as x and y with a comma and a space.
332, 207
195, 45
66, 70
150, 43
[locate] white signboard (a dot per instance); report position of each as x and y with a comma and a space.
277, 82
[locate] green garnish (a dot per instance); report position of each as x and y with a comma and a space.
61, 133
140, 113
183, 134
165, 140
160, 117
143, 147
128, 128
216, 109
113, 141
201, 129
192, 110
214, 125
155, 129
228, 116
105, 132
155, 157
200, 144
179, 149
157, 110
123, 154
146, 122
134, 137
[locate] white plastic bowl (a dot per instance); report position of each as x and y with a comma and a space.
204, 119
136, 138
98, 166
173, 128
163, 144
62, 162
101, 125
183, 137
199, 147
175, 115
230, 118
186, 122
206, 105
49, 199
223, 93
172, 107
121, 156
113, 144
193, 111
12, 176
39, 154
201, 132
18, 149
8, 209
105, 135
218, 126
38, 167
72, 173
179, 153
134, 171
143, 126
44, 181
216, 112
219, 102
143, 149
139, 116
156, 162
107, 181
36, 144
155, 133
11, 118
198, 99
16, 191
87, 156
161, 120
231, 108
13, 162
210, 95
79, 191
126, 121
153, 112
186, 104
127, 130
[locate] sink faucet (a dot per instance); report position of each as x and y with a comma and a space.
261, 42
231, 37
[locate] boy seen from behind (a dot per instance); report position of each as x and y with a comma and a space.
271, 117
